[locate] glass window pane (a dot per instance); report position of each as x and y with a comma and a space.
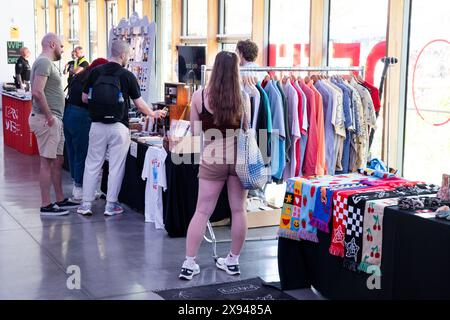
74, 21
138, 7
111, 15
289, 33
427, 140
92, 23
358, 38
238, 17
197, 18
46, 17
59, 18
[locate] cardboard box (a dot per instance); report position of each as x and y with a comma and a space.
265, 218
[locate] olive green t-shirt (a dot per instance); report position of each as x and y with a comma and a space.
53, 89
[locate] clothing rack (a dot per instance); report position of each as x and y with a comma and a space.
204, 71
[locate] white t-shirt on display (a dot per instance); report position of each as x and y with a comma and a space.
154, 172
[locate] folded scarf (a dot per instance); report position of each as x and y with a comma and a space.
376, 173
289, 225
340, 216
372, 247
324, 205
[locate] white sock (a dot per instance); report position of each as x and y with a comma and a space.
190, 261
232, 260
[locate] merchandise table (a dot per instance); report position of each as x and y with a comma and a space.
415, 262
180, 199
16, 131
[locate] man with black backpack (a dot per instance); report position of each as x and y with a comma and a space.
107, 92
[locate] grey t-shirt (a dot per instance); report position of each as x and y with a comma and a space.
53, 89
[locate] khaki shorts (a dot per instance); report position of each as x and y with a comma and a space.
218, 165
50, 139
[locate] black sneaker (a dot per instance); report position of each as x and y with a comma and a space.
53, 210
232, 270
67, 204
187, 273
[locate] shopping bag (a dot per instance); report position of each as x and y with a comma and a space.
250, 166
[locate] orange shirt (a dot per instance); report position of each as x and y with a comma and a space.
321, 161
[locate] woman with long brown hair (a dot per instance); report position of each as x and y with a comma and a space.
217, 111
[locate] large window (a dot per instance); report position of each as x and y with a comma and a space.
235, 22
74, 17
92, 28
358, 38
195, 23
237, 17
46, 17
427, 134
289, 33
59, 18
135, 6
111, 16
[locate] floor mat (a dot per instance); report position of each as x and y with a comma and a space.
252, 289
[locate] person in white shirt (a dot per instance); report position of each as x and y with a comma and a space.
247, 52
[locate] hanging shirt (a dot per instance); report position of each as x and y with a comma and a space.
310, 160
154, 172
298, 147
264, 123
321, 162
292, 99
338, 123
255, 97
369, 108
327, 99
375, 93
286, 122
363, 137
278, 130
305, 128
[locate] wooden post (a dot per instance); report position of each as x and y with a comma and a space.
102, 30
394, 102
212, 46
317, 22
177, 18
258, 30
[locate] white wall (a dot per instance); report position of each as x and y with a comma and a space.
22, 12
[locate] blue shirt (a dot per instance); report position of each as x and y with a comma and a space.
278, 130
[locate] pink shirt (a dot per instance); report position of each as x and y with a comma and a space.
310, 160
321, 162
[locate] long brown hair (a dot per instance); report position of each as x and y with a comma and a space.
224, 89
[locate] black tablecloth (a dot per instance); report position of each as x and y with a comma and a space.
180, 199
415, 262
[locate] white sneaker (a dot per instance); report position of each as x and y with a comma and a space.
85, 210
113, 210
77, 195
232, 270
188, 272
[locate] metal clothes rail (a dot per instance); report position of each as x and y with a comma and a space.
205, 69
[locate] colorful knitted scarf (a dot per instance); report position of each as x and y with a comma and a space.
324, 205
340, 217
297, 211
372, 247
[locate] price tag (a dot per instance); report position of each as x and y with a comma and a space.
133, 149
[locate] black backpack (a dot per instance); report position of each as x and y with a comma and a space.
106, 101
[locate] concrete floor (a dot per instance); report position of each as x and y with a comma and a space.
119, 257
